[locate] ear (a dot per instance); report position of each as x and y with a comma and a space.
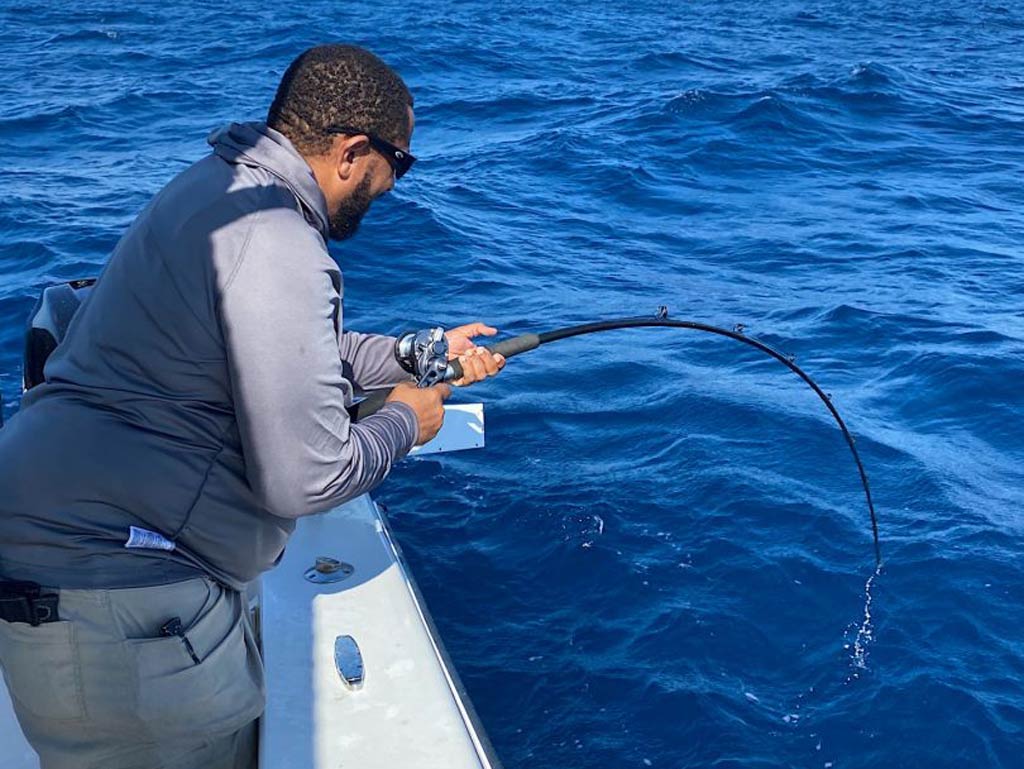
349, 154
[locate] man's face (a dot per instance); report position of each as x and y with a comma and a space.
378, 179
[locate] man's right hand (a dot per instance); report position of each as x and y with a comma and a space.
427, 402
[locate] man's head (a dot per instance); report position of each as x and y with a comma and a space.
332, 87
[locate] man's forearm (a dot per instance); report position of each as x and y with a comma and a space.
372, 360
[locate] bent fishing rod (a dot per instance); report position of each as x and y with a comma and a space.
424, 354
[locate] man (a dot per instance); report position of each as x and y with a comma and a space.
196, 408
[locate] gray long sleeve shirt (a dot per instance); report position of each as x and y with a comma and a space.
200, 393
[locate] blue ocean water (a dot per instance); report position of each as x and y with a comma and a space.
660, 558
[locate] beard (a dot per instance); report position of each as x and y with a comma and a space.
344, 220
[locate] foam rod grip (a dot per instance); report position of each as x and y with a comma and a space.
454, 370
507, 348
515, 345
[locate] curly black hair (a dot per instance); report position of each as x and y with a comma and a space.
339, 85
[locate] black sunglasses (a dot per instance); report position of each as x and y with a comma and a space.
399, 160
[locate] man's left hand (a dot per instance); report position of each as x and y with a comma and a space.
478, 363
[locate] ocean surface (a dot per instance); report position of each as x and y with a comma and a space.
660, 558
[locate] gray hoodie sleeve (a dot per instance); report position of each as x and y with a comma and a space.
372, 357
279, 310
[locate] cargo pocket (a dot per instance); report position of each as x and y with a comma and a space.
220, 694
41, 668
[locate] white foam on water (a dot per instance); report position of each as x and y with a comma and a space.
865, 632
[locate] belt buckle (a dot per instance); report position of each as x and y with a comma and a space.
44, 609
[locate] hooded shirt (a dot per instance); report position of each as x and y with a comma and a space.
197, 406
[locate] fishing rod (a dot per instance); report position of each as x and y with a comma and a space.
425, 355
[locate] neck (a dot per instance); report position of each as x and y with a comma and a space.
321, 168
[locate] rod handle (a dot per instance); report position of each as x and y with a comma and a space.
506, 348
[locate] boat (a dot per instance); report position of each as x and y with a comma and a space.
357, 676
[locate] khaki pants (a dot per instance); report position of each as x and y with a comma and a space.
103, 689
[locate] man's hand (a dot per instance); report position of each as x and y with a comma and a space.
427, 402
478, 363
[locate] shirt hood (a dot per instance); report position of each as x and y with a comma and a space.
256, 144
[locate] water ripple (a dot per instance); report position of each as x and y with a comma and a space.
661, 554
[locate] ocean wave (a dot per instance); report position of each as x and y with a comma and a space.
85, 36
666, 530
672, 61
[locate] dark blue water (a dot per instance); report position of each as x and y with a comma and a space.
660, 558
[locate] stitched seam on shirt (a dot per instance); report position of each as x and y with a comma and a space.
202, 485
242, 252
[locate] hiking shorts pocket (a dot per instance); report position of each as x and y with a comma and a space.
41, 667
219, 694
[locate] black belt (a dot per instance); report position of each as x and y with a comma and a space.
26, 602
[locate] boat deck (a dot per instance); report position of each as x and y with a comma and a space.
409, 711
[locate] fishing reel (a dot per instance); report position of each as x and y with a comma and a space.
424, 354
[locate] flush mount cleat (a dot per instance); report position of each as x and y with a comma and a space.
327, 570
